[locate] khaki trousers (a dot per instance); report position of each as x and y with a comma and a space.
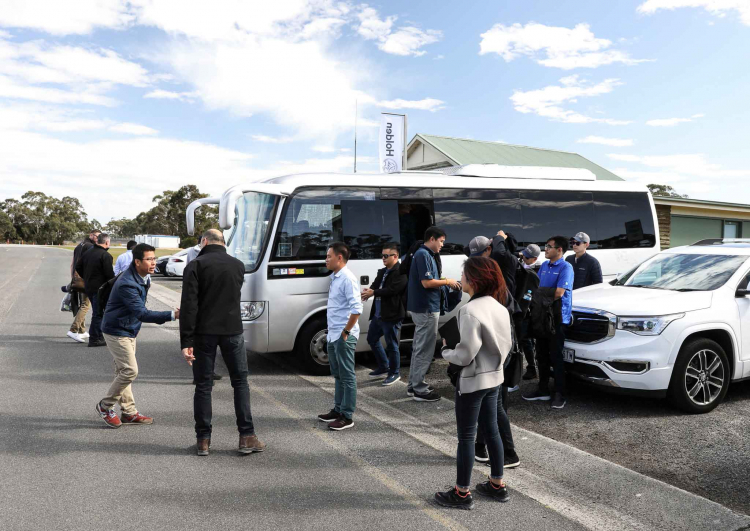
79, 325
126, 370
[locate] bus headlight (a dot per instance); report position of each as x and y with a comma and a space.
250, 311
647, 326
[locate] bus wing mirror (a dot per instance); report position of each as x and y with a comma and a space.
195, 205
226, 208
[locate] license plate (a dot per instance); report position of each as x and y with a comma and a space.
569, 355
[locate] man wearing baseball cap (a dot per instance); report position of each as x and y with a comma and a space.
585, 267
528, 283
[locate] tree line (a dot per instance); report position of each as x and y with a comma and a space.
41, 219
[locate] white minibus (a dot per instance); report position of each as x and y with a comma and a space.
281, 227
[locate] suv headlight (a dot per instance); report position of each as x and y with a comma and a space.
250, 311
647, 326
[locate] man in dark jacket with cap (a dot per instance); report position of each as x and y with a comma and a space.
502, 249
586, 268
126, 310
211, 316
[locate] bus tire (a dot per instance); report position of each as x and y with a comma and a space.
312, 348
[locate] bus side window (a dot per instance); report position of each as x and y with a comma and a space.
367, 225
623, 219
413, 220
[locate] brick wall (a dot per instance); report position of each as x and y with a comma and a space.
664, 218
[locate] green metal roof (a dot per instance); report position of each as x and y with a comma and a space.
464, 151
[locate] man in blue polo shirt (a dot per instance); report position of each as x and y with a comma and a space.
424, 305
555, 273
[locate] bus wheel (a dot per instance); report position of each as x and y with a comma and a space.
312, 347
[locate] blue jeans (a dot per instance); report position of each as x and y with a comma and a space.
389, 330
341, 358
235, 358
472, 408
95, 328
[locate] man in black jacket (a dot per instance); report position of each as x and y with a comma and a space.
95, 268
386, 314
587, 270
210, 314
77, 330
502, 249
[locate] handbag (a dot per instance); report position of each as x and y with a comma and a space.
513, 369
77, 282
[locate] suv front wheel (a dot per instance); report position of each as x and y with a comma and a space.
700, 378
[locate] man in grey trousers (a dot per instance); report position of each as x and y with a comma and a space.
424, 305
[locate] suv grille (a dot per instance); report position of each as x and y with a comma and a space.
590, 326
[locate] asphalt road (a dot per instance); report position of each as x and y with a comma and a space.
64, 469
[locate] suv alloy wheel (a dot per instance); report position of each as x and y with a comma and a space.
700, 377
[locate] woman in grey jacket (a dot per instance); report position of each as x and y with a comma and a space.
484, 324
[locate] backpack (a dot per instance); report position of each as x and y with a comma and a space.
405, 266
105, 290
544, 314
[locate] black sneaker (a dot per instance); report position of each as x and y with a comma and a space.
98, 343
489, 489
410, 391
330, 416
216, 376
558, 402
511, 460
377, 373
480, 453
530, 374
341, 423
454, 500
537, 395
430, 396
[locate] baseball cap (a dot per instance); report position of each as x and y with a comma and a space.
582, 237
478, 245
531, 251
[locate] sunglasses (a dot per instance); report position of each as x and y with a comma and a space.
386, 256
577, 243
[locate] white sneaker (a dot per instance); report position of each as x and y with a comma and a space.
75, 337
85, 335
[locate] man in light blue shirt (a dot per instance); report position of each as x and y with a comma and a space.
125, 259
344, 309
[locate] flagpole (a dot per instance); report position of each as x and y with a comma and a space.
355, 135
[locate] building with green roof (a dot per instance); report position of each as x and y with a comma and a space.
430, 152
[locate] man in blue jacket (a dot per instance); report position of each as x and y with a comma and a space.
126, 310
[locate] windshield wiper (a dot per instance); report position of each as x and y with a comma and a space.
640, 286
689, 289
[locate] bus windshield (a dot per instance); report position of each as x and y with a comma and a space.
252, 224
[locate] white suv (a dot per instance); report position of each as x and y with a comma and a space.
678, 325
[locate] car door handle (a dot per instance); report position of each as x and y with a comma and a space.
364, 279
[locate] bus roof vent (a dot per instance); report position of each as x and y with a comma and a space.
520, 172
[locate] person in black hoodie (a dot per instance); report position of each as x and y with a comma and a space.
77, 330
386, 314
95, 268
210, 317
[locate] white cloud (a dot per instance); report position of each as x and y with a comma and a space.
337, 164
407, 40
65, 18
427, 104
671, 122
715, 7
324, 149
615, 142
133, 129
695, 164
272, 139
548, 102
159, 94
552, 46
91, 95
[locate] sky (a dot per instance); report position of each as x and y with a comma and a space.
115, 101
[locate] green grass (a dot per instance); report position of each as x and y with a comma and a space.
117, 251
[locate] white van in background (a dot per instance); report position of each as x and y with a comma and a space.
281, 227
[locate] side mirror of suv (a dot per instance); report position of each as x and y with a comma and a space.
742, 293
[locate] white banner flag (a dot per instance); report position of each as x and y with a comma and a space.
392, 142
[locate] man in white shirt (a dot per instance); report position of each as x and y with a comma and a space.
125, 259
344, 309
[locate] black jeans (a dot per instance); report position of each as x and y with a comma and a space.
235, 358
526, 343
95, 328
503, 422
481, 407
549, 353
